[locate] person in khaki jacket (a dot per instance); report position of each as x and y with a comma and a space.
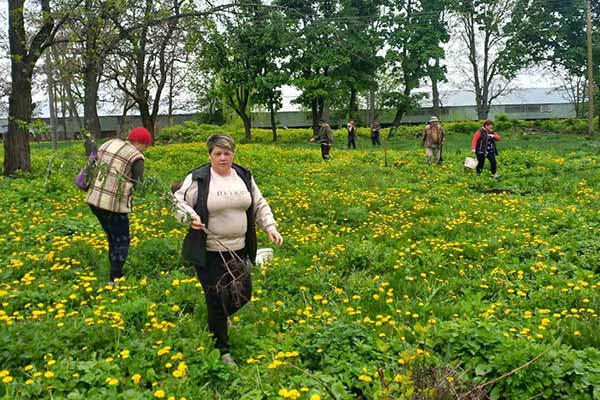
119, 168
325, 137
433, 140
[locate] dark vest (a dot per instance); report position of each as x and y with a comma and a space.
481, 147
194, 244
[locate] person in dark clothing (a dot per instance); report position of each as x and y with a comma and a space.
352, 130
325, 137
484, 146
375, 129
224, 204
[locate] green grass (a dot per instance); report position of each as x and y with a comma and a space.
393, 282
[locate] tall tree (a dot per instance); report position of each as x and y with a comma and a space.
274, 72
141, 63
316, 53
360, 32
415, 34
231, 48
486, 30
362, 38
553, 34
25, 50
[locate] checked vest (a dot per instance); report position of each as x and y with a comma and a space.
112, 186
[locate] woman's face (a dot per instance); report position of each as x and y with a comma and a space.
221, 160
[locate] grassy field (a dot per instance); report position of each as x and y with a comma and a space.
399, 282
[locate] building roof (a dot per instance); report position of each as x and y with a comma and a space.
457, 98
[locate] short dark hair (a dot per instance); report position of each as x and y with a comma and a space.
488, 122
220, 140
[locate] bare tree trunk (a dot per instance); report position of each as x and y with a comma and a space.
273, 122
371, 109
170, 98
247, 125
147, 118
63, 112
315, 116
90, 101
398, 117
435, 96
598, 91
73, 112
51, 102
352, 107
16, 142
24, 56
323, 111
127, 105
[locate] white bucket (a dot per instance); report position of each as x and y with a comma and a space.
471, 162
264, 255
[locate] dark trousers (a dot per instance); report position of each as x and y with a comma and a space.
116, 227
325, 148
219, 303
481, 162
375, 138
352, 141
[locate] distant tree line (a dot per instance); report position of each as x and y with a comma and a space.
341, 54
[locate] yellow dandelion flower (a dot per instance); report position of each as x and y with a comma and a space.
112, 381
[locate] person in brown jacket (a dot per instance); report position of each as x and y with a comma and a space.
325, 137
433, 140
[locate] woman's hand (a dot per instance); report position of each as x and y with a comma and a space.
276, 238
197, 223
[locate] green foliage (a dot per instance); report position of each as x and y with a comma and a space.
401, 282
414, 33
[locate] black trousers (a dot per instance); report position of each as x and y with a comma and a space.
116, 227
375, 138
352, 141
481, 162
219, 302
325, 148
